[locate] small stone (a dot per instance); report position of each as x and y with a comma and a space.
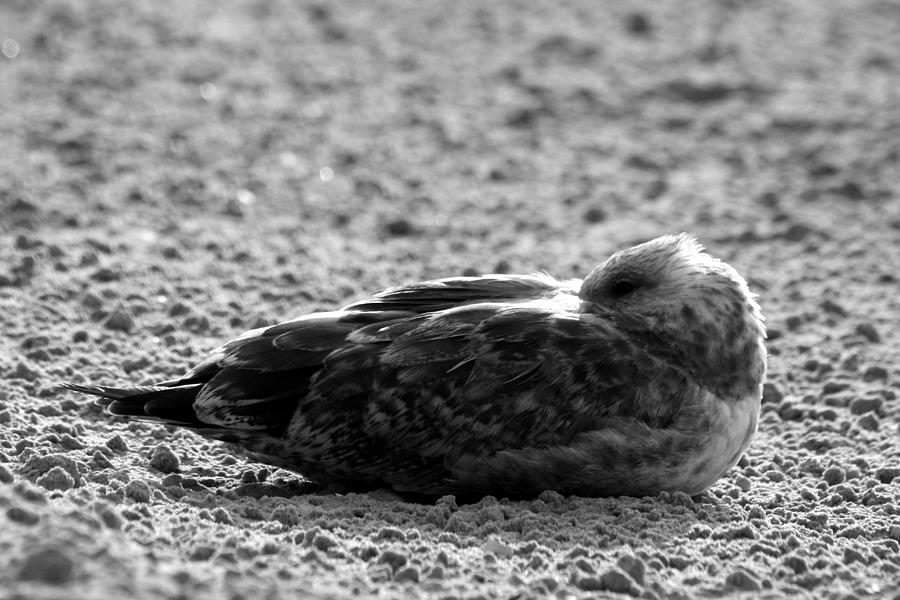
392, 558
637, 23
163, 459
551, 498
92, 301
70, 443
797, 232
859, 406
850, 362
679, 498
233, 208
743, 581
119, 320
138, 490
868, 331
887, 474
110, 517
130, 365
875, 373
323, 542
202, 552
796, 563
590, 584
774, 475
220, 515
390, 533
23, 371
756, 512
105, 275
117, 444
522, 117
789, 411
793, 322
49, 566
585, 566
834, 387
30, 492
502, 266
48, 410
851, 190
852, 556
772, 394
399, 227
180, 309
616, 580
270, 548
498, 548
833, 307
56, 478
197, 323
172, 479
407, 574
868, 422
834, 475
634, 566
594, 214
287, 515
22, 515
747, 530
6, 475
698, 91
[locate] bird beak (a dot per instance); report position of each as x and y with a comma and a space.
596, 309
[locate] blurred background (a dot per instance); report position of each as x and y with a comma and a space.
173, 173
215, 165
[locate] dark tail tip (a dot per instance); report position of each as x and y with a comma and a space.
104, 395
168, 404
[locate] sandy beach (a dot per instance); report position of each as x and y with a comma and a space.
173, 174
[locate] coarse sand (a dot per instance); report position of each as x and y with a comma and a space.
174, 173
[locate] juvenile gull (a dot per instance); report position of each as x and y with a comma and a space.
646, 376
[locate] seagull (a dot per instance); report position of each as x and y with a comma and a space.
645, 377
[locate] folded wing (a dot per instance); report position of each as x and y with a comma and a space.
256, 381
414, 402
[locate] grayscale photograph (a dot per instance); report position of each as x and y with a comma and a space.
309, 299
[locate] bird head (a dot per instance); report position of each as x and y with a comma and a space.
683, 300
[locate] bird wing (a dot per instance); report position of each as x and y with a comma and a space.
432, 391
254, 381
441, 294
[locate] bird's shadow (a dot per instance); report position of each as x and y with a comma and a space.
292, 488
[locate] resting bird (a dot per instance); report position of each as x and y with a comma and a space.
644, 377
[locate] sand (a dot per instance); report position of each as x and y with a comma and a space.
174, 173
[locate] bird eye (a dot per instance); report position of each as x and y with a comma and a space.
621, 288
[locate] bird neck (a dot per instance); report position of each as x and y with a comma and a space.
719, 345
729, 357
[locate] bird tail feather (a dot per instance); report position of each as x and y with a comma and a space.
169, 404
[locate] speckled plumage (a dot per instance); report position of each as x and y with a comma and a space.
645, 377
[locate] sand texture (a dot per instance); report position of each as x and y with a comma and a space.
174, 173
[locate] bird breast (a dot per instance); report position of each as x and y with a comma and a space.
732, 424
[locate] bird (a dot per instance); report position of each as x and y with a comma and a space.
644, 377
